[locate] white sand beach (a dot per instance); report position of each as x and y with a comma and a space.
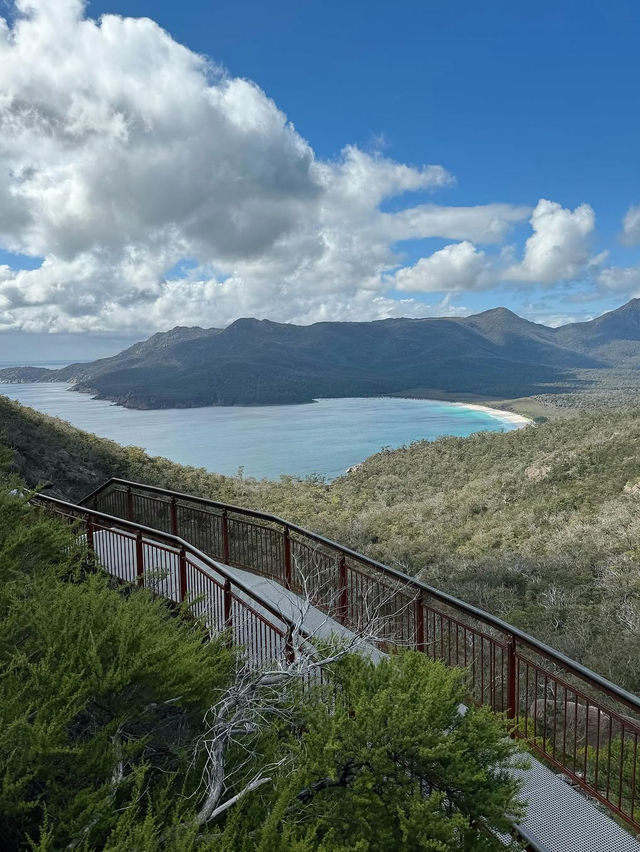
519, 420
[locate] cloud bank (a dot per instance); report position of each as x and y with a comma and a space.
455, 268
158, 190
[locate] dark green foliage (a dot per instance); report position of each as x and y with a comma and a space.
403, 767
383, 759
103, 694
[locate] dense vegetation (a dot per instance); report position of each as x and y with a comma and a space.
102, 694
540, 526
106, 693
493, 354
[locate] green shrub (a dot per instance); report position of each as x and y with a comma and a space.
102, 694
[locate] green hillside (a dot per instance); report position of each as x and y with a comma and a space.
126, 726
541, 525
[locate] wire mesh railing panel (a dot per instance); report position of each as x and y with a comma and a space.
484, 657
263, 643
314, 574
591, 741
116, 552
201, 528
206, 597
151, 512
256, 548
379, 607
161, 570
113, 502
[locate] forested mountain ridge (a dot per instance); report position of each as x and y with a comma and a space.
540, 526
491, 354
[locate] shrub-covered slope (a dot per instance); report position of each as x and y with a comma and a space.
120, 717
541, 526
102, 695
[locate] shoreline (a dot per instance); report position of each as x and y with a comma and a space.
89, 416
499, 413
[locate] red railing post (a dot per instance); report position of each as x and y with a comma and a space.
343, 604
182, 564
174, 517
129, 503
511, 677
139, 558
419, 614
287, 557
226, 593
225, 537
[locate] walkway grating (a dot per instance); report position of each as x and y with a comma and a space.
559, 818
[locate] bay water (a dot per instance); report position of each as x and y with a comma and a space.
323, 438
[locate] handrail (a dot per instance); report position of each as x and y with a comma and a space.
562, 709
621, 795
558, 657
179, 543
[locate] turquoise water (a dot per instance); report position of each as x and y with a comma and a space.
325, 437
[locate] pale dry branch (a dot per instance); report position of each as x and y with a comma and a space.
315, 643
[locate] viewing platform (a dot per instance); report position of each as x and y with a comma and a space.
277, 587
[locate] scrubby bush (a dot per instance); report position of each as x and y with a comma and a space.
101, 695
105, 692
386, 757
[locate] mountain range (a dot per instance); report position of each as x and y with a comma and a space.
491, 354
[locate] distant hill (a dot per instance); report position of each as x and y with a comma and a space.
259, 362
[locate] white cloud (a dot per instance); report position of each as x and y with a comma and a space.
452, 269
123, 153
546, 312
554, 320
114, 134
368, 179
558, 249
618, 278
631, 226
488, 223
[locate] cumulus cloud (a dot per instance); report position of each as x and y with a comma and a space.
631, 226
454, 268
123, 153
558, 249
113, 133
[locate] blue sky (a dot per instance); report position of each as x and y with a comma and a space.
517, 102
520, 101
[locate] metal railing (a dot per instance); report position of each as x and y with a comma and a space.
173, 568
576, 720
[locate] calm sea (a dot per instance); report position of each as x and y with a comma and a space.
325, 437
